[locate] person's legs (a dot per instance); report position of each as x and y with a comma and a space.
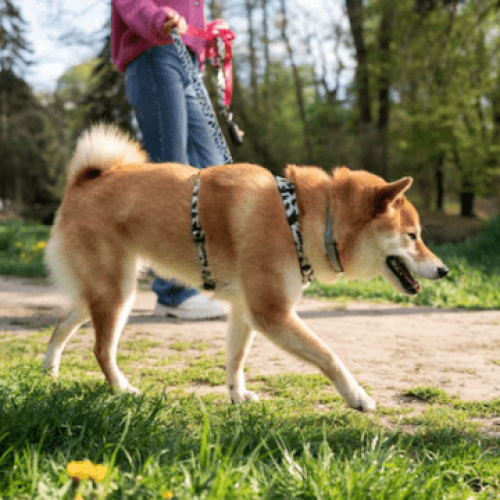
156, 87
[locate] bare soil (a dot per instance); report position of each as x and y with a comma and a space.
387, 347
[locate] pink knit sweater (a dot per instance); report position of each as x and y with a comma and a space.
136, 25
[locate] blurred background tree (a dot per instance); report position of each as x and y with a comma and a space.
24, 170
398, 88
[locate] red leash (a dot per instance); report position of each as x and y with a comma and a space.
216, 30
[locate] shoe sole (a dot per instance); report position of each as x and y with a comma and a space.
181, 318
169, 313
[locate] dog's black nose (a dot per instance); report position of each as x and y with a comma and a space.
443, 271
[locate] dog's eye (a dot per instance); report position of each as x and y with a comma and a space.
412, 236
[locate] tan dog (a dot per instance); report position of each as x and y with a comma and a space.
118, 210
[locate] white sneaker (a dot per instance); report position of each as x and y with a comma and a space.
195, 308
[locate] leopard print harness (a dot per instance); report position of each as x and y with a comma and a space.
289, 199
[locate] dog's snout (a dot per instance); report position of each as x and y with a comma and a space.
443, 271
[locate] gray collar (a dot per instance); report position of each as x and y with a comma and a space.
330, 245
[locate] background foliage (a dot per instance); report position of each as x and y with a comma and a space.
407, 87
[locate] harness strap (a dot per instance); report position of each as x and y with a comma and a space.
330, 244
199, 238
287, 191
289, 198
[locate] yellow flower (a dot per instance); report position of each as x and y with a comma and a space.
79, 497
168, 494
86, 470
41, 244
99, 473
80, 470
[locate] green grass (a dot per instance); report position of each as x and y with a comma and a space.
427, 393
142, 345
206, 448
473, 282
186, 346
301, 442
21, 249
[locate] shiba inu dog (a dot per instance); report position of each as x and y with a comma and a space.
119, 210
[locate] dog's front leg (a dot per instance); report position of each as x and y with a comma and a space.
239, 340
288, 331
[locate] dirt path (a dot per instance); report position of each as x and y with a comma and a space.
390, 348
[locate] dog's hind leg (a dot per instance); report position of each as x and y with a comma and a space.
239, 340
287, 330
64, 329
109, 313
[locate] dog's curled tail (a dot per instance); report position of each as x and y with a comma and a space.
101, 147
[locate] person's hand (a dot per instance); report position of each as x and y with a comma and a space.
174, 20
222, 25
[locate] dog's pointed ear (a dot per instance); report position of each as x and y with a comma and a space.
388, 196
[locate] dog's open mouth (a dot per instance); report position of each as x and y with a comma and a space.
401, 272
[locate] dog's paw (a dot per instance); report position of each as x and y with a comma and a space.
359, 400
244, 396
125, 387
50, 370
131, 389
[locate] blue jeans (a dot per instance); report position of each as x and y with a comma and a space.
173, 126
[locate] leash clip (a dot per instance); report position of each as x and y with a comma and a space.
235, 132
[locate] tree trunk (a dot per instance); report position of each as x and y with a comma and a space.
3, 144
216, 8
355, 14
439, 176
257, 140
3, 122
250, 5
384, 42
267, 57
467, 195
18, 193
467, 199
298, 83
310, 57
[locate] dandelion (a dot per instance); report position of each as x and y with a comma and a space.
80, 470
38, 247
86, 470
79, 497
99, 473
168, 494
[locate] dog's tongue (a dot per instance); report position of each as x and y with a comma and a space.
408, 276
414, 283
